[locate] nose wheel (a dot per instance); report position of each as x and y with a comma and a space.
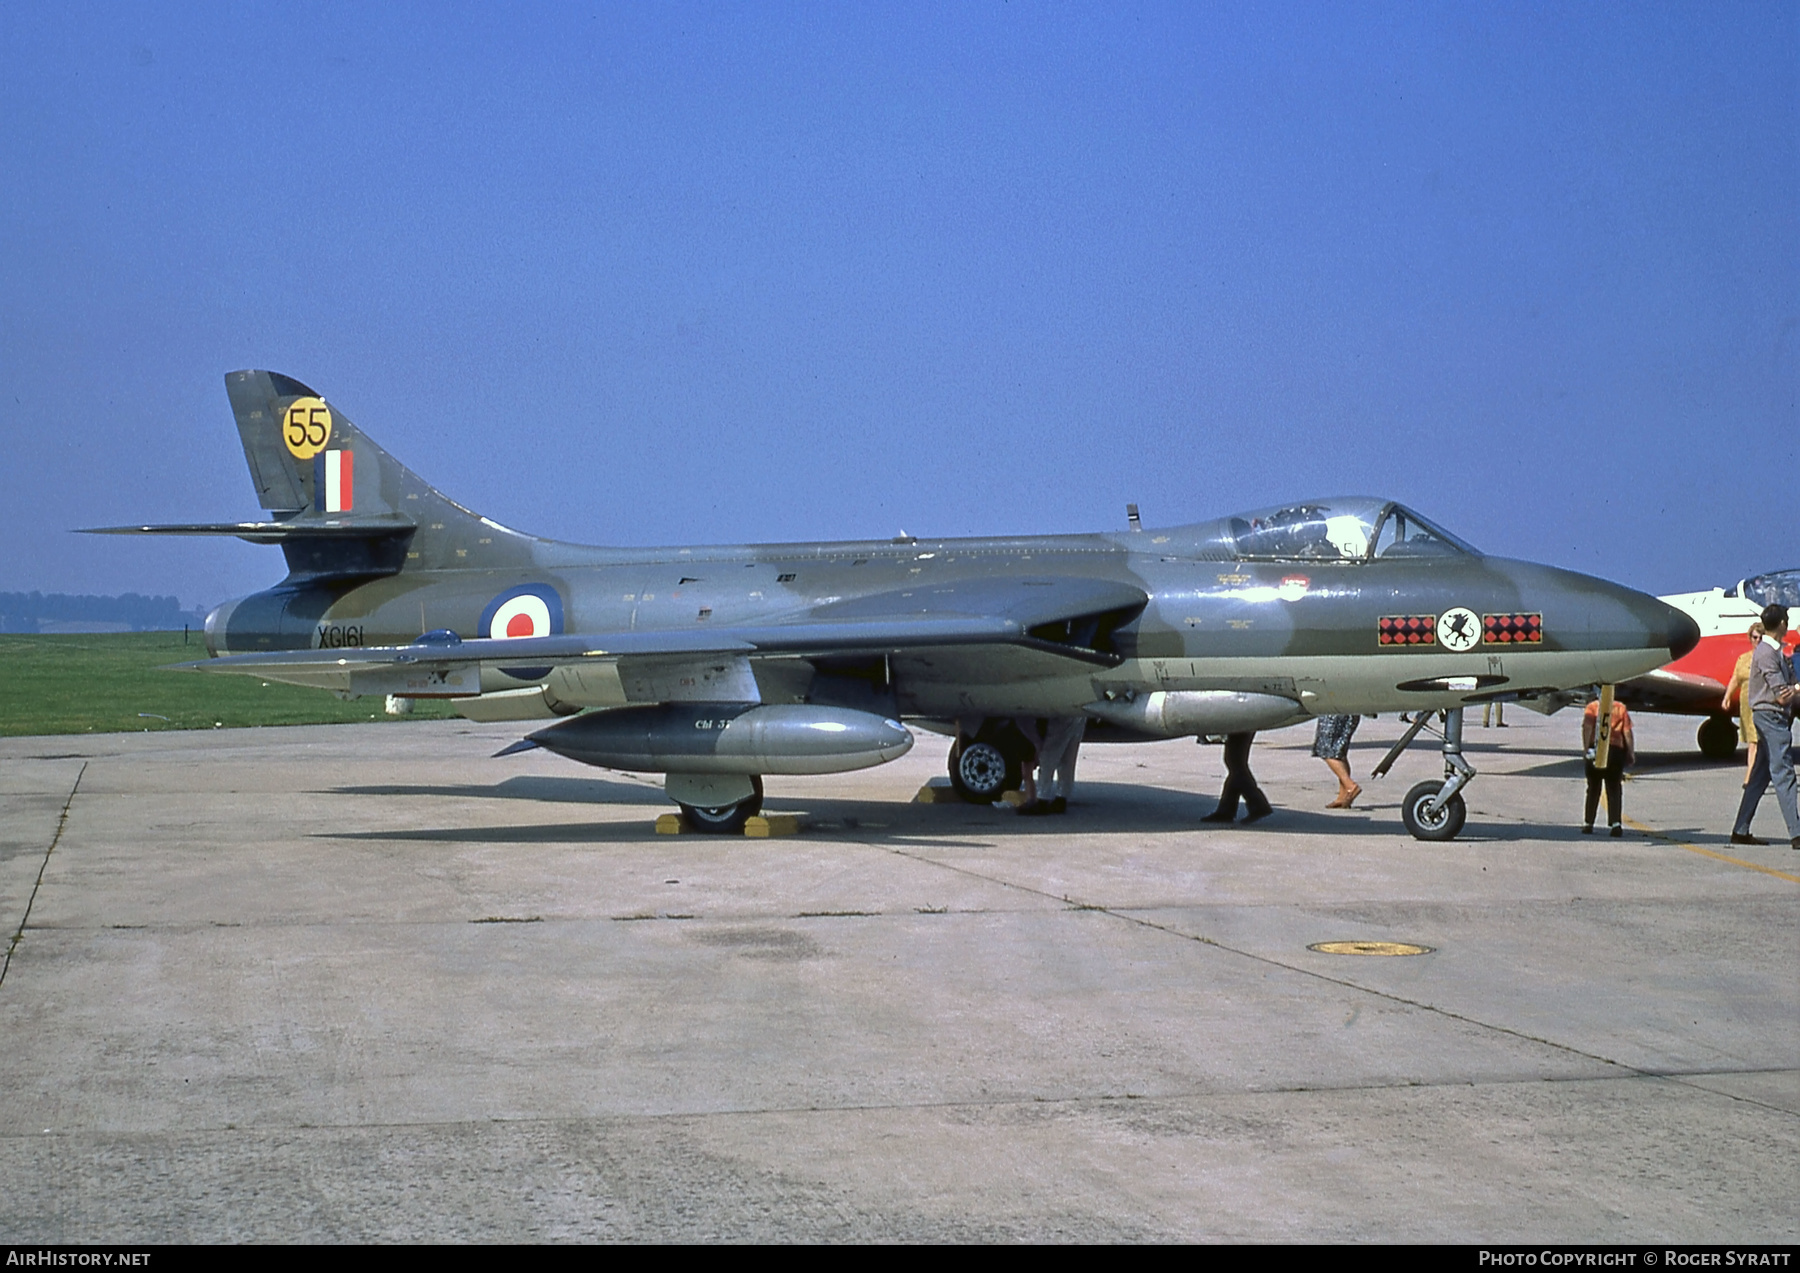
1430, 817
1435, 811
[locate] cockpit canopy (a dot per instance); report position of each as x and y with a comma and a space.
1352, 528
1779, 587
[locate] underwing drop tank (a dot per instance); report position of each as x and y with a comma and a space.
727, 738
1177, 713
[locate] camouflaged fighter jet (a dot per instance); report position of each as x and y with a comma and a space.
717, 666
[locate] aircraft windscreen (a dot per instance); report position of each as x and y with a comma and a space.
1781, 588
1404, 533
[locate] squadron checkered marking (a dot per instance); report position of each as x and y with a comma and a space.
1512, 629
1407, 629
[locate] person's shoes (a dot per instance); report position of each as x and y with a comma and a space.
1346, 798
1059, 805
1796, 842
1220, 815
1616, 831
1257, 815
1744, 837
1588, 829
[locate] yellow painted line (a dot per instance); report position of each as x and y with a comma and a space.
1695, 848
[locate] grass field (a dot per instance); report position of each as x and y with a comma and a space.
110, 683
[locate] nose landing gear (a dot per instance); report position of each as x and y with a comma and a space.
1435, 811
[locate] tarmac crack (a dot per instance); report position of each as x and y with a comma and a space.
1101, 1099
62, 821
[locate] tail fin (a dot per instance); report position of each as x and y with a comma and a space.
275, 469
316, 471
308, 461
342, 506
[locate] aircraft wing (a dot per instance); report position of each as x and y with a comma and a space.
1071, 617
1665, 690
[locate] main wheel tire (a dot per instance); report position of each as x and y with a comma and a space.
1717, 737
980, 770
1425, 825
725, 819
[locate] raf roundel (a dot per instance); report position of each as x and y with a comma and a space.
534, 610
526, 615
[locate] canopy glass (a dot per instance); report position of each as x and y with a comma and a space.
1352, 528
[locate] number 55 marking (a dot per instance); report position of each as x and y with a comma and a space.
306, 427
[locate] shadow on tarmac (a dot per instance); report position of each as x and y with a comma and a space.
1103, 809
1570, 766
550, 790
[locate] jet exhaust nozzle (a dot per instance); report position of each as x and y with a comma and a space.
728, 738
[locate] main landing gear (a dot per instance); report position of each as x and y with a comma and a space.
1435, 810
1717, 737
716, 804
989, 764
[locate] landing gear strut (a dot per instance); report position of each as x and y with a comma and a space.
1435, 810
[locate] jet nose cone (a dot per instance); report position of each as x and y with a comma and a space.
1683, 634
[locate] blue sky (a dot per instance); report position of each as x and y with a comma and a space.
671, 274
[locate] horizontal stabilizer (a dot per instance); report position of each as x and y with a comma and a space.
268, 532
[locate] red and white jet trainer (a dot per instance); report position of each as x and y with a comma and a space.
1694, 684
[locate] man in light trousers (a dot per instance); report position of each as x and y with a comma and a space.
1773, 695
1056, 765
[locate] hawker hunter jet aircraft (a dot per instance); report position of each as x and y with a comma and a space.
717, 666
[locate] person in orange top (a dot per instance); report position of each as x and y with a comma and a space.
1621, 751
1736, 697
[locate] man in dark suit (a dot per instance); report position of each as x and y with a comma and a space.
1240, 783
